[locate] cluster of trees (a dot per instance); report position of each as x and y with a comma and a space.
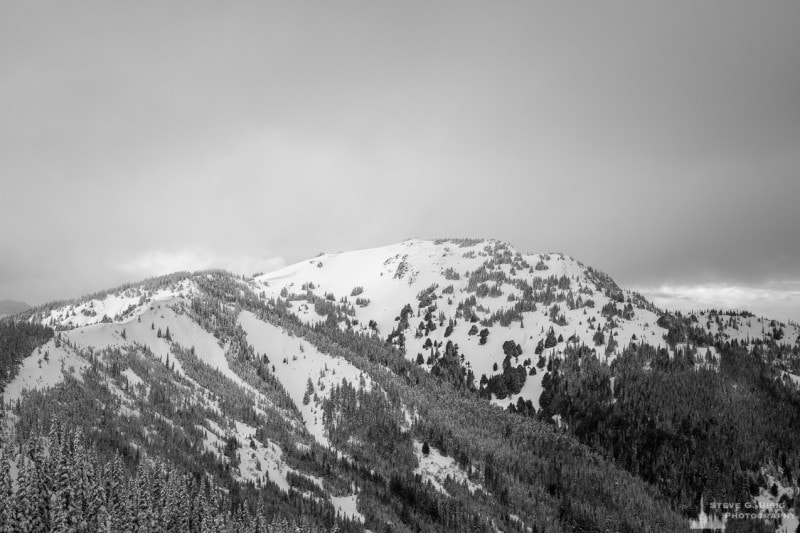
512, 378
427, 297
451, 369
683, 330
460, 242
610, 310
487, 281
18, 340
502, 385
63, 484
451, 274
690, 430
368, 425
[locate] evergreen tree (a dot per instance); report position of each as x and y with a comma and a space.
22, 499
7, 515
309, 392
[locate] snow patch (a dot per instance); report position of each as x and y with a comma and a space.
791, 377
347, 506
436, 468
44, 368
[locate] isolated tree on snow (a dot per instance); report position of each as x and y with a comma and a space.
599, 338
309, 392
551, 339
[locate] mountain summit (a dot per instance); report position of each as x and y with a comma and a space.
482, 296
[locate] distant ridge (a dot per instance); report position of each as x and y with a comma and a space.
10, 307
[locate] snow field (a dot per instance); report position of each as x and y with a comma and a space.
346, 506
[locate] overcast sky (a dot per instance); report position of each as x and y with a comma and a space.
659, 143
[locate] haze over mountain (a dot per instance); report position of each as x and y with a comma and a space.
657, 142
8, 307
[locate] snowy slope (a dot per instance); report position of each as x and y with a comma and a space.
392, 276
44, 368
746, 328
118, 306
295, 362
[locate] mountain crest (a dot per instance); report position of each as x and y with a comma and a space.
441, 385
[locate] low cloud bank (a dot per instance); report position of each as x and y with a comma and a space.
778, 300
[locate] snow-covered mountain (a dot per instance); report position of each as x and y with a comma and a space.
342, 377
458, 288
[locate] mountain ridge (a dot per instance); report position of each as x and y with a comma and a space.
320, 385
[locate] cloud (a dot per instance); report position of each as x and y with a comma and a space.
780, 299
159, 262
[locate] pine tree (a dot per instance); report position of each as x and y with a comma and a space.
113, 474
22, 498
38, 487
6, 493
144, 511
81, 481
309, 392
185, 504
61, 497
96, 512
129, 517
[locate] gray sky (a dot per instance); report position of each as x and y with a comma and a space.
660, 143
